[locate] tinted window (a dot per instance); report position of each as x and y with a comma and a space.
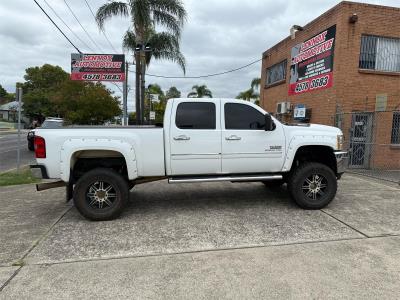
241, 116
195, 115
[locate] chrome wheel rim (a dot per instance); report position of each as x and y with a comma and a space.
101, 195
314, 186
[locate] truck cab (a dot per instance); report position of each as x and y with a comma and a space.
221, 137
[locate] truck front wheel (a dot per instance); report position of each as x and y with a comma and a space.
312, 185
101, 194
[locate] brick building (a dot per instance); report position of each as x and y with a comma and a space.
342, 69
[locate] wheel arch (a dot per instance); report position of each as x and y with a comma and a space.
315, 153
100, 152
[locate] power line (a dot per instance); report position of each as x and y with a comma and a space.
102, 30
57, 26
204, 76
57, 15
80, 24
79, 51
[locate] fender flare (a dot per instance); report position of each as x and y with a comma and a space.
73, 145
300, 141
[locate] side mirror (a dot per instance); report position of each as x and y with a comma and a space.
269, 123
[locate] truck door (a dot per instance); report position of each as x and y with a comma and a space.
246, 146
195, 138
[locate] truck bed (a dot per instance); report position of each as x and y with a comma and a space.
142, 146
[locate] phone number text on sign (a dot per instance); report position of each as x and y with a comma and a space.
318, 83
102, 77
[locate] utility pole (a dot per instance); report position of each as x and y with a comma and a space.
137, 98
143, 86
140, 57
19, 97
125, 97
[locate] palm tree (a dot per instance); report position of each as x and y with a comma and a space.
145, 15
247, 95
255, 83
164, 45
200, 91
251, 93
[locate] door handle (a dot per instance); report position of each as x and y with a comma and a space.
181, 138
233, 138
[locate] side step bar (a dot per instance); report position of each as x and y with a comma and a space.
224, 178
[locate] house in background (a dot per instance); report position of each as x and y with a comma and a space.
9, 114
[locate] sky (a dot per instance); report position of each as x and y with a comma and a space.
219, 35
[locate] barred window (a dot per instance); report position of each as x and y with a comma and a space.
396, 128
380, 53
276, 72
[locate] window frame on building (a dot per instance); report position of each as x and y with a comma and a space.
395, 136
371, 57
281, 80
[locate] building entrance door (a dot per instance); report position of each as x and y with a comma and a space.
360, 140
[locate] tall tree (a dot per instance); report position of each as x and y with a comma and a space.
145, 15
163, 46
251, 93
48, 91
86, 103
200, 91
3, 92
40, 85
247, 95
45, 78
255, 83
173, 92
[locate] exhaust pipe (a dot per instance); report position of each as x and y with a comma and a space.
49, 185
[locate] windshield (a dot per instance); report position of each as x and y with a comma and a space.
52, 124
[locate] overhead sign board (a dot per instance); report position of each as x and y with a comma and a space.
98, 67
311, 66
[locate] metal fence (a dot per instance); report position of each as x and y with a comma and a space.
373, 142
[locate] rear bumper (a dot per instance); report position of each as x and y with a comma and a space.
39, 171
342, 161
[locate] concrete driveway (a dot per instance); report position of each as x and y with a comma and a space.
214, 240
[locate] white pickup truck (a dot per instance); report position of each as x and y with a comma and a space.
201, 140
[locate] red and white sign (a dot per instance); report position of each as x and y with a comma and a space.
312, 63
98, 67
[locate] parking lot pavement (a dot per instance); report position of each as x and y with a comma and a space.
205, 240
5, 274
166, 218
356, 269
25, 216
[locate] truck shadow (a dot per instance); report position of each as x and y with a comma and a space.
207, 195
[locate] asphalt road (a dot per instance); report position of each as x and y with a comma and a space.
8, 151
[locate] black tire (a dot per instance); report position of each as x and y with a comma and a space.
131, 185
312, 185
92, 199
31, 146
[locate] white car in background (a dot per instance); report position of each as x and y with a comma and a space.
49, 123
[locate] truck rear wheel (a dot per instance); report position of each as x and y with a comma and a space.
312, 185
101, 194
